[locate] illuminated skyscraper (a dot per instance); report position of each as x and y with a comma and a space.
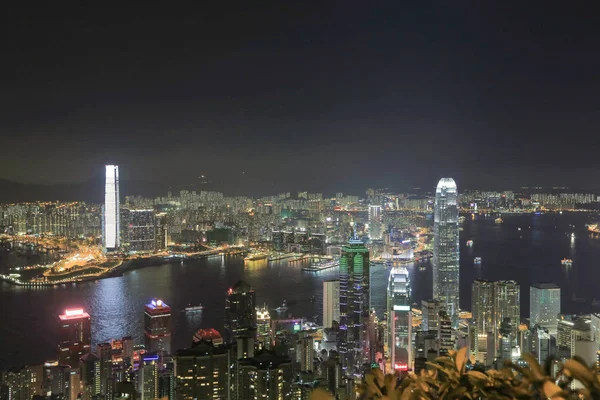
141, 230
240, 311
354, 306
399, 319
544, 300
331, 302
375, 222
75, 336
157, 326
446, 248
110, 217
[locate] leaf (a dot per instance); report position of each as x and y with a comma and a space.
461, 359
552, 390
579, 372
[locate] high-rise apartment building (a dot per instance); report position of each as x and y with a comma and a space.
111, 225
148, 377
375, 222
141, 231
157, 326
446, 268
544, 302
399, 341
203, 371
331, 302
354, 306
75, 336
240, 311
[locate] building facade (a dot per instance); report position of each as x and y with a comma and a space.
446, 268
157, 326
544, 300
75, 336
399, 320
354, 306
111, 225
331, 302
240, 311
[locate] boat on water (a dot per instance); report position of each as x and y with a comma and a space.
422, 268
193, 309
594, 228
499, 220
255, 256
283, 308
566, 262
469, 243
477, 260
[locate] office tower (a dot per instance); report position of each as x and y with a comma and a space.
148, 377
544, 300
331, 302
265, 376
445, 334
160, 232
446, 268
75, 336
508, 305
483, 301
399, 341
90, 375
277, 241
541, 343
141, 231
111, 220
305, 352
317, 243
72, 383
375, 222
263, 328
240, 311
431, 315
506, 341
104, 353
166, 382
202, 371
354, 306
157, 326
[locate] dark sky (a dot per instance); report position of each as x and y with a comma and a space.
326, 96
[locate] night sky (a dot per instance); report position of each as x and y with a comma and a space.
323, 96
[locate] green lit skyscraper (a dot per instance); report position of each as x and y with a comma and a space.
354, 306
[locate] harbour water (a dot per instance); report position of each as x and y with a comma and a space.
532, 254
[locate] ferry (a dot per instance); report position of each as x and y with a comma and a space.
423, 268
594, 228
566, 262
193, 309
283, 308
477, 260
255, 256
499, 220
469, 243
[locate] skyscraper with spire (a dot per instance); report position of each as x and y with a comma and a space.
446, 249
354, 306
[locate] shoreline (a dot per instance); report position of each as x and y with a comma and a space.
119, 270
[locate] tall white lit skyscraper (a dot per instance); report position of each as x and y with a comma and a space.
399, 320
544, 300
110, 216
331, 302
446, 248
375, 222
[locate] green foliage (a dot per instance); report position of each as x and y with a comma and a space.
448, 379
